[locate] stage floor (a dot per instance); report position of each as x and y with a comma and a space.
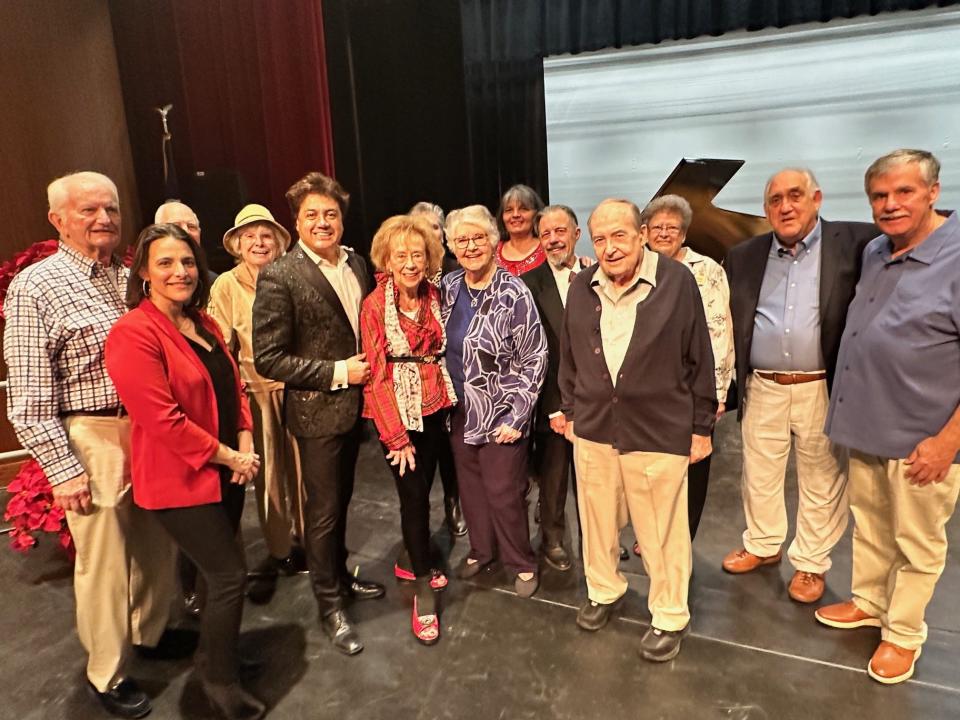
752, 652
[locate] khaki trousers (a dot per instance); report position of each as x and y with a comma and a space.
899, 543
652, 489
124, 574
773, 415
278, 486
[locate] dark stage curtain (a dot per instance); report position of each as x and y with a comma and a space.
248, 82
504, 42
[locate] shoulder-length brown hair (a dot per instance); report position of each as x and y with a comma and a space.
138, 288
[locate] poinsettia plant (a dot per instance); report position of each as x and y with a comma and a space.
9, 269
31, 511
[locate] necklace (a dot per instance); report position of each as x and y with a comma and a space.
475, 299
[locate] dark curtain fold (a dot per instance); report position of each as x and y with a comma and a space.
504, 42
248, 82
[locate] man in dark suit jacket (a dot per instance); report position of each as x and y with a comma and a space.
552, 452
789, 292
306, 334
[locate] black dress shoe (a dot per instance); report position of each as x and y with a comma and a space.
233, 702
361, 589
624, 555
455, 521
340, 632
661, 645
295, 563
557, 557
125, 699
192, 604
593, 615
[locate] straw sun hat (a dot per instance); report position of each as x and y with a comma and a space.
250, 214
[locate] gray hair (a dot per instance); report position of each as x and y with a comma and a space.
160, 216
672, 204
555, 208
423, 207
472, 215
812, 184
58, 191
634, 211
929, 165
527, 197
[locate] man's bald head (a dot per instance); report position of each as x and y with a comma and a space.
179, 214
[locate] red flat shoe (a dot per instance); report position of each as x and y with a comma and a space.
426, 628
400, 574
438, 581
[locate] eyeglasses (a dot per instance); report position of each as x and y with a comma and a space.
464, 242
671, 230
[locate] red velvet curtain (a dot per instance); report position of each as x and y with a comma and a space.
255, 87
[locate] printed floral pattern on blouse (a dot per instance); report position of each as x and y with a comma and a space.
504, 356
715, 293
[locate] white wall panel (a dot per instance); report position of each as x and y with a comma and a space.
831, 97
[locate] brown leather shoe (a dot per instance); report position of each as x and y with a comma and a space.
846, 616
742, 561
806, 587
892, 664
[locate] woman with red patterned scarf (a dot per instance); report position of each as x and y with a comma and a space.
409, 390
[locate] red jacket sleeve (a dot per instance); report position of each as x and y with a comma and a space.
138, 368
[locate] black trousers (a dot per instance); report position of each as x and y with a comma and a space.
448, 470
553, 464
698, 477
414, 491
207, 535
327, 465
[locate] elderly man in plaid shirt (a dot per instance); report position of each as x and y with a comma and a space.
67, 414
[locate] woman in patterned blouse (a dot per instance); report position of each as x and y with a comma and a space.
667, 219
409, 389
497, 358
519, 249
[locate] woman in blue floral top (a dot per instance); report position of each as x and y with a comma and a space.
497, 359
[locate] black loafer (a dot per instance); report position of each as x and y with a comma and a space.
454, 516
468, 570
361, 589
661, 645
593, 615
557, 558
341, 633
125, 699
295, 563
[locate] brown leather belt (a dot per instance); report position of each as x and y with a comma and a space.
781, 378
117, 412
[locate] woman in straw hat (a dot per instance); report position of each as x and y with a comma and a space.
256, 240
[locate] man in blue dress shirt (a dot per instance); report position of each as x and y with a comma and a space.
789, 292
895, 405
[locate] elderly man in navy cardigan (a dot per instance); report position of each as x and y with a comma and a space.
638, 393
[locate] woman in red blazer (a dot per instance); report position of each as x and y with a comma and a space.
191, 441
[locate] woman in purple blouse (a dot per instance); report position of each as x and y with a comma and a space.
497, 359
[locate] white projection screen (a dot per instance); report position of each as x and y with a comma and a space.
832, 97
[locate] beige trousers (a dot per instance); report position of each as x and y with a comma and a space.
899, 543
773, 415
124, 578
278, 485
652, 489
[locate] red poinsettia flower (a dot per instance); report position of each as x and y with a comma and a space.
31, 511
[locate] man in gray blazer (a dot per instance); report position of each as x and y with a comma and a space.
306, 332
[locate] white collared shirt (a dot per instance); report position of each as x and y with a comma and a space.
563, 278
347, 287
